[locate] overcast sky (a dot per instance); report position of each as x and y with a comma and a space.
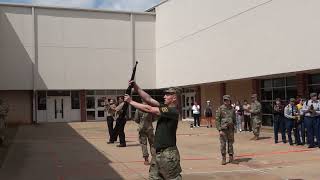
128, 5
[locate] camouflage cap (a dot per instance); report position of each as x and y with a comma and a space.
292, 100
226, 97
313, 94
172, 90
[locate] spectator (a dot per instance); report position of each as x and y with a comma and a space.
246, 116
196, 114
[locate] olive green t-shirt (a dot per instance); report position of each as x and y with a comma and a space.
166, 129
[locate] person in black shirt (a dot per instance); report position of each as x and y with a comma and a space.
279, 121
166, 163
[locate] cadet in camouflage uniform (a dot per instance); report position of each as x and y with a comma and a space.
4, 109
255, 111
166, 163
225, 122
145, 130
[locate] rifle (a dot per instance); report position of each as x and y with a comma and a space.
128, 91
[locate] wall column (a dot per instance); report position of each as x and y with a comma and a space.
83, 108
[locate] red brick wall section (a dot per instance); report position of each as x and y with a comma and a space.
83, 107
256, 87
302, 88
222, 91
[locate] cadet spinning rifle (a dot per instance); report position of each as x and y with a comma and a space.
128, 91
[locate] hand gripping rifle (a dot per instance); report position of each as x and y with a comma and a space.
128, 91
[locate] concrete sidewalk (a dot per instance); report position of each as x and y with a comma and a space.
78, 151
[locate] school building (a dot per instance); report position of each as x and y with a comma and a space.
58, 64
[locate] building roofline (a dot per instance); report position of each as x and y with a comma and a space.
153, 7
74, 8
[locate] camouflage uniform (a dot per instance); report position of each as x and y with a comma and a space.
3, 114
166, 163
256, 117
225, 121
145, 132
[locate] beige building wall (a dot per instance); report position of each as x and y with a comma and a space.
76, 49
20, 106
16, 48
145, 50
239, 90
224, 40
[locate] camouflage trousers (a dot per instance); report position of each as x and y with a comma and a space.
256, 125
144, 137
227, 138
166, 165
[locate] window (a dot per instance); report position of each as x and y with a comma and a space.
42, 100
314, 83
91, 115
75, 100
90, 102
283, 88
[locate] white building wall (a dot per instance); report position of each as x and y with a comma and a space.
145, 50
16, 48
77, 49
218, 40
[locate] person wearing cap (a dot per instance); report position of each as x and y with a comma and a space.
146, 134
255, 110
311, 112
208, 114
166, 163
291, 114
225, 123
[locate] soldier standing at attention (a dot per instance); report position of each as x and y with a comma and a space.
166, 164
145, 130
225, 122
255, 111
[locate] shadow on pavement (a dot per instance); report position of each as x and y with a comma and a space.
55, 151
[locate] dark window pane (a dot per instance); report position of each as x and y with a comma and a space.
291, 92
314, 88
266, 94
42, 100
291, 81
279, 82
314, 79
101, 101
90, 103
91, 115
267, 120
100, 92
75, 100
90, 92
279, 93
58, 93
266, 107
100, 113
266, 83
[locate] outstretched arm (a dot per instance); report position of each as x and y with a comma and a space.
145, 96
142, 107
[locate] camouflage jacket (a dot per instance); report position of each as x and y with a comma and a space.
225, 117
144, 120
255, 109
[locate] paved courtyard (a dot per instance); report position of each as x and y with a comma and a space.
78, 151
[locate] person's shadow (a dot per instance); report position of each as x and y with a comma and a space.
241, 160
261, 138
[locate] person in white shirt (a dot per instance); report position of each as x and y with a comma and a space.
239, 113
311, 111
196, 114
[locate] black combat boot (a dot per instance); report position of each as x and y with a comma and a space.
230, 158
